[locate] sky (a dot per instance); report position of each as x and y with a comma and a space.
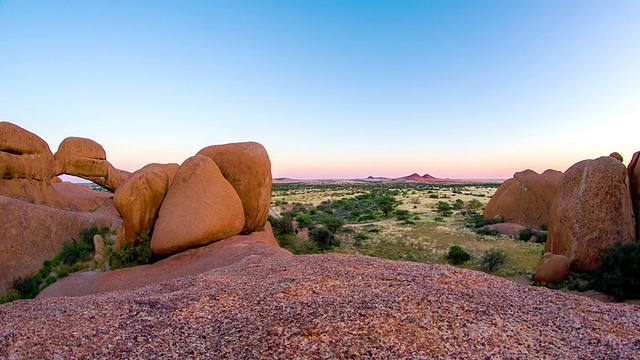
343, 89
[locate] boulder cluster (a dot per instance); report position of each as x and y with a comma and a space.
222, 191
589, 208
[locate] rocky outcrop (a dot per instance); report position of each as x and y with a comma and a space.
525, 199
553, 267
31, 234
508, 229
23, 155
186, 206
139, 198
634, 182
259, 244
200, 207
592, 211
320, 307
87, 159
247, 167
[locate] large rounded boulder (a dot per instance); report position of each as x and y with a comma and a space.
553, 267
592, 212
200, 207
248, 169
634, 181
525, 199
138, 199
23, 155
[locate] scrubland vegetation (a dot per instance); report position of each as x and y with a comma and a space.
399, 221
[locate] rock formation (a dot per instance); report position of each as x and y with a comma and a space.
221, 193
31, 234
525, 199
200, 207
139, 198
591, 212
509, 229
248, 168
634, 182
553, 267
87, 159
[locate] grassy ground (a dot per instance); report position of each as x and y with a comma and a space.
430, 236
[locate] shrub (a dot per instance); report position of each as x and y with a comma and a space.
525, 234
493, 259
457, 255
619, 273
444, 208
132, 255
303, 221
323, 237
359, 238
486, 231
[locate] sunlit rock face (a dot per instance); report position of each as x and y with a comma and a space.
200, 207
248, 169
526, 198
592, 212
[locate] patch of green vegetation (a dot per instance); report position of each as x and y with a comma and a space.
457, 255
132, 255
619, 272
492, 259
75, 256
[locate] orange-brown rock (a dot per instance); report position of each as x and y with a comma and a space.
200, 207
248, 168
525, 199
260, 244
509, 229
634, 182
553, 267
23, 155
592, 211
31, 234
139, 198
616, 155
87, 159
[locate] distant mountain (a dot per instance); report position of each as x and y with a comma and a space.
424, 178
377, 178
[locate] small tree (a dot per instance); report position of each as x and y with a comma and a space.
444, 208
474, 205
493, 259
323, 238
332, 224
386, 204
303, 221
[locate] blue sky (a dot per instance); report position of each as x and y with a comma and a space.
332, 89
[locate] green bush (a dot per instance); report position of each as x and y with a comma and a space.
323, 238
457, 255
132, 255
486, 231
525, 234
492, 259
619, 273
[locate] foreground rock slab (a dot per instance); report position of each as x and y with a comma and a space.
323, 306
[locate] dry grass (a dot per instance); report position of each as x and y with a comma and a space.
429, 239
